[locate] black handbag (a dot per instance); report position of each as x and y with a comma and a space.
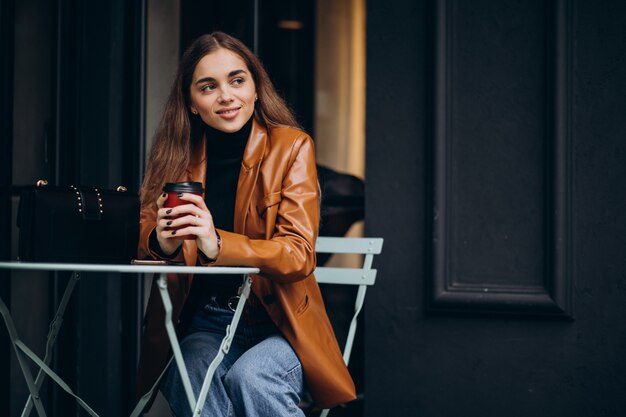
77, 224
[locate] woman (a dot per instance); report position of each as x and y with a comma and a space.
224, 125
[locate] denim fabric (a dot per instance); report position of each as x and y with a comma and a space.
260, 376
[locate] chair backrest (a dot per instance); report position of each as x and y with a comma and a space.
363, 277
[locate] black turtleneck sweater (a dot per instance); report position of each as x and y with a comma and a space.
224, 156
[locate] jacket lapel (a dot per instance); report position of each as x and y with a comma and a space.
251, 163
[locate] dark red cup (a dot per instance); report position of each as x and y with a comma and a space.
173, 189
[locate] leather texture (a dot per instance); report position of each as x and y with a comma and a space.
276, 224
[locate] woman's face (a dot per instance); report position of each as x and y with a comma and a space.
222, 91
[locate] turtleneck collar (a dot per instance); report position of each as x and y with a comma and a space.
223, 145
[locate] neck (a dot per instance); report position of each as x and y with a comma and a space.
227, 145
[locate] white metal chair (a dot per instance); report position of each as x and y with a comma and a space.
362, 277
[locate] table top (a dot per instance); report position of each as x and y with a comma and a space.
176, 269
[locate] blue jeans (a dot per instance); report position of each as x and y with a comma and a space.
260, 376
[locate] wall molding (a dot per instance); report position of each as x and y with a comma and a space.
554, 297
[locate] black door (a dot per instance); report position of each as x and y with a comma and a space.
496, 159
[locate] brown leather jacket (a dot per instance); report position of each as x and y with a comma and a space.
276, 224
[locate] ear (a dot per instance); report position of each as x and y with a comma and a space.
193, 110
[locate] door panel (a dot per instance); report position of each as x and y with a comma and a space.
501, 157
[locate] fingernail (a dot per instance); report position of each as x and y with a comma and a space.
179, 194
164, 195
168, 211
168, 223
174, 232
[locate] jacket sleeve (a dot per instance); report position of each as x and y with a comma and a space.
289, 252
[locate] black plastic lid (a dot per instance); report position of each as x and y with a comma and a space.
183, 187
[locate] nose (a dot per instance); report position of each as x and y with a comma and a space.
225, 96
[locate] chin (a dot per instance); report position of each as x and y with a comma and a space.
225, 127
231, 128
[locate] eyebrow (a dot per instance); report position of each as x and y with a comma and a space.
230, 74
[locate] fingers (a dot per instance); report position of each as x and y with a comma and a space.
186, 220
181, 211
198, 200
161, 200
198, 225
185, 231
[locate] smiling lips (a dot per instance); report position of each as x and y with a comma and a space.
228, 113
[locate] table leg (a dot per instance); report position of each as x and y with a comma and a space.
244, 292
28, 376
55, 326
196, 407
171, 333
23, 352
56, 378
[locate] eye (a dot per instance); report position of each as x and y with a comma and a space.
208, 87
238, 81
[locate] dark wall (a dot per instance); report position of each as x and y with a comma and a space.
6, 167
396, 125
495, 172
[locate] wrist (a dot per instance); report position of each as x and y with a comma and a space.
216, 251
163, 249
218, 240
168, 248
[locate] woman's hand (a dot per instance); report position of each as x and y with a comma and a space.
164, 237
197, 220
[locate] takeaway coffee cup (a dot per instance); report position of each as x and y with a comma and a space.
173, 189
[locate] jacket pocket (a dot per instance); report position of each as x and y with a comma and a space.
267, 210
267, 202
304, 304
296, 297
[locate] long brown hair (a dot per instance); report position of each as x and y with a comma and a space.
179, 133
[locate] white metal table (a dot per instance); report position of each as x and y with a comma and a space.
23, 352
